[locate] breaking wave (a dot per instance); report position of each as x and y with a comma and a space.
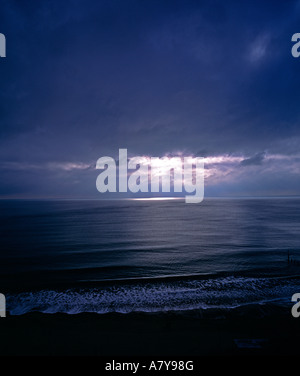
160, 296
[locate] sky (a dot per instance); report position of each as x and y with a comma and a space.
214, 79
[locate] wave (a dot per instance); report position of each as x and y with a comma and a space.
157, 296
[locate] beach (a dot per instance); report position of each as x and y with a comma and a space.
263, 331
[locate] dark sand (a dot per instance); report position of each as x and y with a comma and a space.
141, 334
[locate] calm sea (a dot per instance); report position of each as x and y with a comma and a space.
153, 256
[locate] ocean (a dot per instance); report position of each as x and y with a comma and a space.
125, 256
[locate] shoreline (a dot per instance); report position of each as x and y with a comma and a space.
272, 332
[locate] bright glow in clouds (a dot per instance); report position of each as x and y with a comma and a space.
228, 174
153, 174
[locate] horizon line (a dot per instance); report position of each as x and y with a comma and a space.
155, 198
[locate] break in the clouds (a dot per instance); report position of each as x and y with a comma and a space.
209, 78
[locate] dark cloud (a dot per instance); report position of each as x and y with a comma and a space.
256, 160
83, 78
